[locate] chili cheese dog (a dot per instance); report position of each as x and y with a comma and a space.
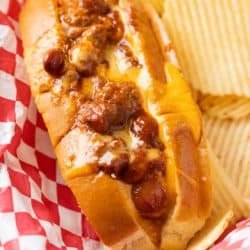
126, 132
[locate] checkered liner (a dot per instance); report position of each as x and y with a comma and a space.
37, 210
236, 238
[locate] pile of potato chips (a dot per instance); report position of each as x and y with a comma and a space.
211, 39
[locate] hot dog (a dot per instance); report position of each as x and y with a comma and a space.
126, 131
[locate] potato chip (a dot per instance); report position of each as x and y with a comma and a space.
230, 141
225, 107
211, 39
214, 227
225, 194
228, 207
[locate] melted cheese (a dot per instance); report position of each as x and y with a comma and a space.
165, 94
133, 143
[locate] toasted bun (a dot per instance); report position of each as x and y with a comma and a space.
107, 201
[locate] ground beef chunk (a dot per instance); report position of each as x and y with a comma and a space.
137, 167
145, 128
124, 95
111, 107
97, 115
99, 7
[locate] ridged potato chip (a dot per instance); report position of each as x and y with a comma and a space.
230, 141
228, 207
226, 195
225, 107
211, 39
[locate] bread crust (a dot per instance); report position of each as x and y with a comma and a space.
36, 18
106, 201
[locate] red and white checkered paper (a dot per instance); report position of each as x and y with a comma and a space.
37, 210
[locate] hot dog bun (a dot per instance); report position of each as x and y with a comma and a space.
121, 221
